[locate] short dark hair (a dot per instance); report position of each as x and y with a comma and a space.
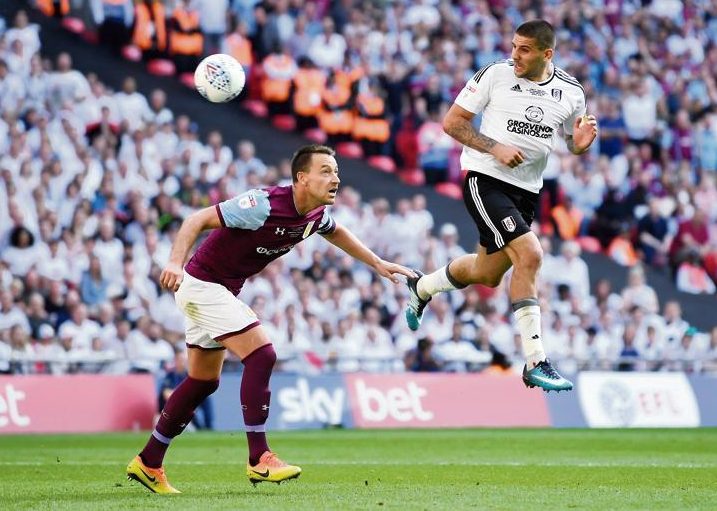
302, 157
540, 30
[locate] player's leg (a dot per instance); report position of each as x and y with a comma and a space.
527, 255
205, 367
487, 267
257, 354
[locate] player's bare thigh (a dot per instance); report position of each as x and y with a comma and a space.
207, 364
481, 268
244, 344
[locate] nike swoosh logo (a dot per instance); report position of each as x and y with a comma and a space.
262, 474
152, 479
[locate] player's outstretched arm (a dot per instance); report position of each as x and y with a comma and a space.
458, 123
346, 241
193, 225
584, 132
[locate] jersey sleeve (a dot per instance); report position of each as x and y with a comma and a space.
246, 211
475, 95
578, 111
327, 225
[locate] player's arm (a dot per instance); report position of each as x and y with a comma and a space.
346, 241
191, 228
458, 123
584, 132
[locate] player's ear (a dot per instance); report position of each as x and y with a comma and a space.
548, 54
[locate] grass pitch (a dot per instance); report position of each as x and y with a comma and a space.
380, 470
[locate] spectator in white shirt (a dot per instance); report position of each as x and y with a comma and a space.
23, 253
213, 23
639, 109
79, 328
458, 353
327, 50
10, 315
639, 293
23, 353
131, 105
12, 90
27, 33
66, 83
146, 350
573, 270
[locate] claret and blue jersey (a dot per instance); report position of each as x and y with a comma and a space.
258, 226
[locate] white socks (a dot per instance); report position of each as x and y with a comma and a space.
439, 280
527, 316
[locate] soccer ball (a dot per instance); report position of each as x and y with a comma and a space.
219, 78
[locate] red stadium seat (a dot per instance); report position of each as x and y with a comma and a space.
451, 190
315, 135
187, 79
382, 163
90, 37
589, 244
284, 122
256, 107
413, 177
161, 67
349, 150
74, 25
132, 53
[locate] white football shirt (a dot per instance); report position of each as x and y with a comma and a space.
523, 114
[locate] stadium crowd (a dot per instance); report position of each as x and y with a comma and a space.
383, 74
95, 184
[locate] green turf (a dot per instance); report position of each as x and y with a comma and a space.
363, 470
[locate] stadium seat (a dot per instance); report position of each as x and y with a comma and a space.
132, 53
162, 67
284, 122
413, 177
451, 190
90, 37
187, 79
589, 244
349, 150
74, 25
315, 135
256, 107
382, 163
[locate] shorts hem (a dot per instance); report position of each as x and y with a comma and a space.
236, 332
197, 346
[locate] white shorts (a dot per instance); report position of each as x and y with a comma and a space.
212, 313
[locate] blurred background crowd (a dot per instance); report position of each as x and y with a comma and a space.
95, 183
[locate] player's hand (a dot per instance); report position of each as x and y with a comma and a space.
388, 270
171, 276
507, 155
584, 131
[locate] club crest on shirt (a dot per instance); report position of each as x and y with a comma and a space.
557, 94
508, 224
247, 202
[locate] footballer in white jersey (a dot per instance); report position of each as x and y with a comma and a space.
525, 101
521, 113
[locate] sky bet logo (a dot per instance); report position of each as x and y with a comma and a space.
300, 403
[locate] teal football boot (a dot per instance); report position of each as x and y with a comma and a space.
546, 377
416, 304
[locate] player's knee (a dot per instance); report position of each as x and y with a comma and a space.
270, 355
530, 259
